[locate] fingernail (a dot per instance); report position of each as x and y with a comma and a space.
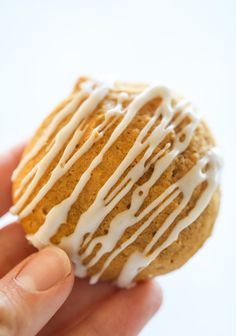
44, 270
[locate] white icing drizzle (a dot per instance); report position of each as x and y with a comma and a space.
139, 260
146, 144
85, 109
72, 105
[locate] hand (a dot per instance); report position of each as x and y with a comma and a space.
38, 292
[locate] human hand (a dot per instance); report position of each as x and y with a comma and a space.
38, 292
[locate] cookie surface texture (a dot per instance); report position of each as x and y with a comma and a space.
123, 177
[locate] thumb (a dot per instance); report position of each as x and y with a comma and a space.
33, 291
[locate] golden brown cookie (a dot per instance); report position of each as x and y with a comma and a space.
123, 177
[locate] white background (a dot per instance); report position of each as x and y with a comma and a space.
187, 45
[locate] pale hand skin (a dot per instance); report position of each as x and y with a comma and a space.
39, 294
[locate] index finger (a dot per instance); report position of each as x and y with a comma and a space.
8, 162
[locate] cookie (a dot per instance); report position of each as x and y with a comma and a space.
123, 177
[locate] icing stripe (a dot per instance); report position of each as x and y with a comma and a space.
138, 261
49, 131
62, 136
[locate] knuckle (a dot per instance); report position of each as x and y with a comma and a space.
8, 313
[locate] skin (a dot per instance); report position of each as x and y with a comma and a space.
71, 306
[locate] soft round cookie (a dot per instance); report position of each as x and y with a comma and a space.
123, 177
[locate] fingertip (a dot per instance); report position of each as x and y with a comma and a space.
153, 293
149, 294
8, 162
45, 269
36, 288
10, 157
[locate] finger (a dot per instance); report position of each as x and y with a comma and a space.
82, 300
33, 291
125, 313
14, 247
8, 162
